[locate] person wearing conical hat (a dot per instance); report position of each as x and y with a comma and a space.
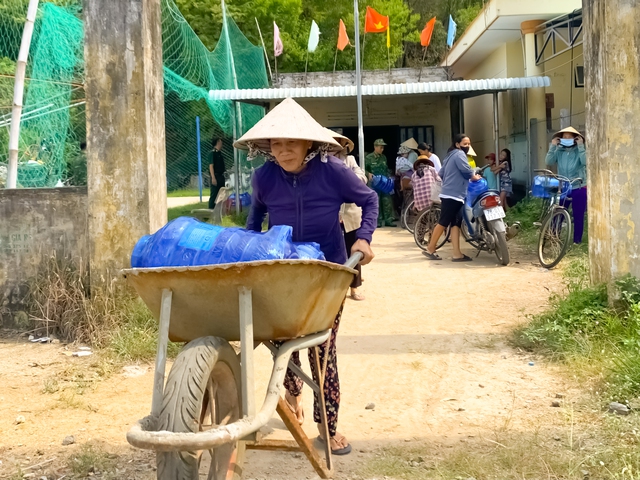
376, 164
350, 213
303, 185
470, 157
413, 149
567, 151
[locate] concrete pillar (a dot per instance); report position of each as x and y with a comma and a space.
612, 66
126, 168
536, 100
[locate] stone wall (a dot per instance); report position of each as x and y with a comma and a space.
369, 77
36, 223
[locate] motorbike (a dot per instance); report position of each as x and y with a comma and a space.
483, 225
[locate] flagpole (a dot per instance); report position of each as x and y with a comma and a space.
335, 61
266, 57
237, 116
356, 18
424, 55
389, 59
364, 42
306, 64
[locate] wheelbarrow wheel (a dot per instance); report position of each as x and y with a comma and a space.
202, 392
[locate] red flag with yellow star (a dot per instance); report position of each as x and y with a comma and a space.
374, 22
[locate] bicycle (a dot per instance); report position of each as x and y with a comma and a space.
409, 217
556, 231
424, 225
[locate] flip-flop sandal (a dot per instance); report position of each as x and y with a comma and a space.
357, 297
432, 256
340, 451
463, 259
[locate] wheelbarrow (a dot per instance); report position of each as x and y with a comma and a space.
204, 416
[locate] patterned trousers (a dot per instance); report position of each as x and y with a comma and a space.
294, 384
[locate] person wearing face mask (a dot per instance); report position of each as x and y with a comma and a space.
455, 174
567, 151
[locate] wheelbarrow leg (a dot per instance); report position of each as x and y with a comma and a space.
161, 356
324, 424
305, 445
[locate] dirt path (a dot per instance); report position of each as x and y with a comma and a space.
427, 347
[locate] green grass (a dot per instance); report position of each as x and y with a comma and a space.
185, 210
190, 192
598, 341
529, 211
136, 340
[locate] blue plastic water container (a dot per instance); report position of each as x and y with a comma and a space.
476, 189
382, 184
546, 187
245, 199
186, 241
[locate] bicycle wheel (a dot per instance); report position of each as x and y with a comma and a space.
555, 238
424, 226
409, 217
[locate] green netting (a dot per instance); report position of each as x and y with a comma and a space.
53, 126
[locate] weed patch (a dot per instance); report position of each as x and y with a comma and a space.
600, 342
92, 460
111, 318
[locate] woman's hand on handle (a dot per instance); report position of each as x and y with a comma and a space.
363, 247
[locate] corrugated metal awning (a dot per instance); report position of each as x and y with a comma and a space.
450, 87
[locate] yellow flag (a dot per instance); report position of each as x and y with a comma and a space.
388, 39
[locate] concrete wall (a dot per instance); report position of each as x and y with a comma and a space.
567, 96
33, 223
369, 77
126, 167
478, 111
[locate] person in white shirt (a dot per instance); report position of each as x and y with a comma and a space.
427, 150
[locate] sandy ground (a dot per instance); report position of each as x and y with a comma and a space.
427, 347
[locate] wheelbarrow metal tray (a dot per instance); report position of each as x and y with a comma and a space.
291, 298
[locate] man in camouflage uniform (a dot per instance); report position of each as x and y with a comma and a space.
376, 164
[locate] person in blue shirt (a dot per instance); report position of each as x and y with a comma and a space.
567, 151
455, 174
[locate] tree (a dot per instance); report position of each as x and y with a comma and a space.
407, 18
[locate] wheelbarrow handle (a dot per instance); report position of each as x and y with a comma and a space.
354, 260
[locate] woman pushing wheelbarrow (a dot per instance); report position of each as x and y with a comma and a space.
303, 186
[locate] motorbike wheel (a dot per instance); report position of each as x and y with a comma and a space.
424, 226
555, 238
502, 251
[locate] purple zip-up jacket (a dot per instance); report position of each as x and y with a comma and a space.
310, 203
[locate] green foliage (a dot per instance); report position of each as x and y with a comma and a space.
407, 18
583, 329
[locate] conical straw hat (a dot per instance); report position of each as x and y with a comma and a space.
341, 139
471, 152
411, 143
286, 120
568, 130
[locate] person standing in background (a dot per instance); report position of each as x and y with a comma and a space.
567, 150
216, 171
350, 213
503, 170
491, 177
427, 150
376, 164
